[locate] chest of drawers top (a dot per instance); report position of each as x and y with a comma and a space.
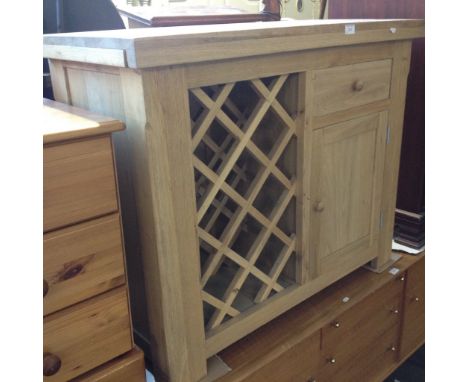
65, 122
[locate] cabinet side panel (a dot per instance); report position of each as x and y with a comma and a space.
401, 62
168, 156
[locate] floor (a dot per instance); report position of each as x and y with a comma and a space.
412, 370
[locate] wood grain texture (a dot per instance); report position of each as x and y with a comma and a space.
152, 47
337, 88
64, 122
88, 334
79, 182
160, 150
361, 344
350, 184
401, 64
82, 261
129, 367
413, 329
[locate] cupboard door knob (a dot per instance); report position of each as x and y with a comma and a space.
402, 278
331, 361
51, 364
358, 85
319, 206
416, 299
392, 348
336, 324
395, 311
45, 288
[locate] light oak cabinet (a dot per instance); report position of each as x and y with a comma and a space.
259, 165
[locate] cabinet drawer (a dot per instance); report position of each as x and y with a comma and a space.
364, 364
129, 367
79, 182
296, 364
364, 322
414, 311
82, 261
344, 87
86, 335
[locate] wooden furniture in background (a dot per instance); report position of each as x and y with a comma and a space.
409, 218
259, 165
359, 329
87, 322
198, 15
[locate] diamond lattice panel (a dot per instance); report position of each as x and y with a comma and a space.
244, 145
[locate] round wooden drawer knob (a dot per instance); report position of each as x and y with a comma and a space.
319, 206
336, 324
51, 364
402, 278
332, 361
395, 311
45, 288
358, 85
392, 348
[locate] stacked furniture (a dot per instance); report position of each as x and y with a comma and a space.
87, 324
359, 329
259, 165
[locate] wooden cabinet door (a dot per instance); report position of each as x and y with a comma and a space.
346, 186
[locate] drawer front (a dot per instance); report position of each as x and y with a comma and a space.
86, 335
414, 311
345, 87
82, 261
79, 182
365, 321
365, 363
127, 368
297, 364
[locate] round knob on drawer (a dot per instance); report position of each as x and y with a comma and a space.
51, 364
395, 311
336, 324
358, 85
402, 278
319, 206
45, 288
392, 348
331, 361
416, 299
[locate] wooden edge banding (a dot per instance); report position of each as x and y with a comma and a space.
112, 57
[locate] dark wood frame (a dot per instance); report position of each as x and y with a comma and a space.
271, 12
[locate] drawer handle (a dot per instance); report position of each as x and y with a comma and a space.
416, 299
51, 364
395, 311
45, 288
331, 361
319, 206
358, 85
336, 324
402, 278
392, 348
72, 272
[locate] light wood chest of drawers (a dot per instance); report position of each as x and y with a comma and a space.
259, 164
86, 312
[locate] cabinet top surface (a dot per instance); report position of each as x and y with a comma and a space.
63, 122
152, 47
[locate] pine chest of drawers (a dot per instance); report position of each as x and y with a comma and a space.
86, 313
259, 164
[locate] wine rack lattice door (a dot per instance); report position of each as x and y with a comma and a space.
244, 141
